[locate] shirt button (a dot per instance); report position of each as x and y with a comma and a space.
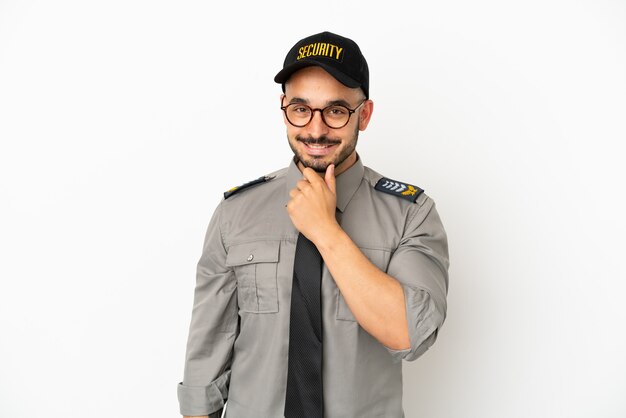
250, 257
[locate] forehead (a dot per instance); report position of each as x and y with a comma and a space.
314, 83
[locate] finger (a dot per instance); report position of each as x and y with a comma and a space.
329, 178
311, 175
302, 185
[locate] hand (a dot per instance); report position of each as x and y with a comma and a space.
313, 204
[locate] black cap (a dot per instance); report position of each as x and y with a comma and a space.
339, 56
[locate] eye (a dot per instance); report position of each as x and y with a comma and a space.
300, 109
336, 111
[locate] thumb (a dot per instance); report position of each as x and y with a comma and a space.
330, 178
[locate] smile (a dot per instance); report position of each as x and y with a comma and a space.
318, 146
319, 149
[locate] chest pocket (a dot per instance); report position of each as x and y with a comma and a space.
255, 266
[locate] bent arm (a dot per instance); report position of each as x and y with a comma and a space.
375, 298
404, 307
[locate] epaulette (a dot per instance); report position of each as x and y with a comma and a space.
237, 189
399, 189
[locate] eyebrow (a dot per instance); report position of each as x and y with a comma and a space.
336, 102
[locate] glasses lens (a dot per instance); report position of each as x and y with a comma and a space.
298, 114
336, 116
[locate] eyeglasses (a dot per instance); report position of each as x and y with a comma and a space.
334, 116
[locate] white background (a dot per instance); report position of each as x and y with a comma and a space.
122, 122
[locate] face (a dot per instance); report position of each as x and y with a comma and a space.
316, 145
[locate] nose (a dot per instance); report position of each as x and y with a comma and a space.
316, 126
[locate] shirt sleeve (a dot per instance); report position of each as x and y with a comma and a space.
420, 264
212, 331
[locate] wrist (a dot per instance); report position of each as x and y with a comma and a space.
329, 237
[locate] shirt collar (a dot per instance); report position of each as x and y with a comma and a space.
346, 182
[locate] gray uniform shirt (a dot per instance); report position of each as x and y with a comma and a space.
239, 334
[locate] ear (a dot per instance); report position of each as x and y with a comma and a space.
365, 114
282, 96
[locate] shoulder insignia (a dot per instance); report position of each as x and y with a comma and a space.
397, 188
228, 193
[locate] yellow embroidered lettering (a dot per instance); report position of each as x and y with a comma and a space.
320, 49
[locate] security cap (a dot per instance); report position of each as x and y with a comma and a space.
339, 56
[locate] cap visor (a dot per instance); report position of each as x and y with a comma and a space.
286, 72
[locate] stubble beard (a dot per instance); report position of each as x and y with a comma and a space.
316, 162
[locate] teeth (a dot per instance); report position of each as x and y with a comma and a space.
318, 146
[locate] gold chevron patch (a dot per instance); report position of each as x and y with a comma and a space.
403, 190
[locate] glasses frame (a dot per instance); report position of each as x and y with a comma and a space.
313, 110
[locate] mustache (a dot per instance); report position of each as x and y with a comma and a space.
322, 140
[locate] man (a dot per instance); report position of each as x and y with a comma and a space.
316, 280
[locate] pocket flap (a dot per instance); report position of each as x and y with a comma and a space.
252, 252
